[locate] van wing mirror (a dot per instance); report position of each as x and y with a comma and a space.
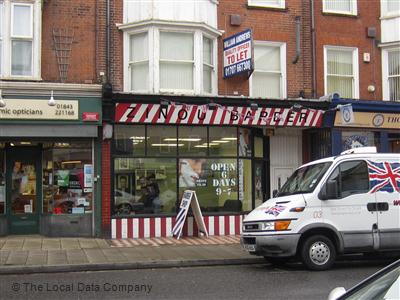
329, 191
274, 193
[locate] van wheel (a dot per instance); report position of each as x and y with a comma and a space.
318, 253
276, 261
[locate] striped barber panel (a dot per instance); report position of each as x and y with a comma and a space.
162, 226
165, 241
221, 115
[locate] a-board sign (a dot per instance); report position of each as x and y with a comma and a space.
189, 199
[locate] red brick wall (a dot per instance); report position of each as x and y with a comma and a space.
116, 46
351, 31
106, 188
269, 25
79, 16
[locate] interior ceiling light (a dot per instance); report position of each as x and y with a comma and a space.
183, 139
229, 138
220, 141
167, 145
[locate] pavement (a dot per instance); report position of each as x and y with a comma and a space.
38, 254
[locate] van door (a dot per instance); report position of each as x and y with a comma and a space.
351, 210
385, 184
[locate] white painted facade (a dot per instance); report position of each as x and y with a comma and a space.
285, 155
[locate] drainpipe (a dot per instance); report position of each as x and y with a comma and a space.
298, 50
313, 51
108, 41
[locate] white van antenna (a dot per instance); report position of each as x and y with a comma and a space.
360, 150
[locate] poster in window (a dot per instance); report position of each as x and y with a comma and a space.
88, 172
123, 164
191, 173
123, 183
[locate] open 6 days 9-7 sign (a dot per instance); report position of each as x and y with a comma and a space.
238, 54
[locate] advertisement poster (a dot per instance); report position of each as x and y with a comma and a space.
191, 173
63, 178
88, 172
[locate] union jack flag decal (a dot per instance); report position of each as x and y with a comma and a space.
384, 177
275, 210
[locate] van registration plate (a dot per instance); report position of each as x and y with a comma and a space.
249, 247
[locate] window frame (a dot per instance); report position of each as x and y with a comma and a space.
8, 37
356, 83
153, 30
264, 3
384, 11
338, 167
385, 73
353, 12
283, 77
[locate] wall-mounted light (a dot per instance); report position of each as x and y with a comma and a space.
212, 105
164, 103
2, 103
253, 106
51, 102
296, 107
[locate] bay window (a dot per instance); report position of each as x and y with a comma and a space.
391, 74
341, 71
172, 60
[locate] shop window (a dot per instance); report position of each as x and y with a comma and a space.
348, 7
355, 139
215, 182
245, 142
20, 42
258, 147
67, 179
162, 141
129, 140
194, 140
144, 186
245, 182
394, 143
341, 71
2, 183
223, 142
269, 76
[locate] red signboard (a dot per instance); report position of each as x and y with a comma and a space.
90, 116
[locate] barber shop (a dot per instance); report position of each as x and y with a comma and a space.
49, 161
221, 149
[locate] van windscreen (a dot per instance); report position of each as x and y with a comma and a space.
304, 180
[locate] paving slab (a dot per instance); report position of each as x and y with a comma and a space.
2, 242
87, 243
4, 256
114, 255
37, 257
32, 244
50, 244
76, 256
17, 257
57, 257
95, 255
67, 244
13, 244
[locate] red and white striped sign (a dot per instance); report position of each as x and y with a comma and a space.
220, 115
162, 226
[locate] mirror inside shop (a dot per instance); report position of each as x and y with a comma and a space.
66, 185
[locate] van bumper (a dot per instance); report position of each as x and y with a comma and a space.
279, 245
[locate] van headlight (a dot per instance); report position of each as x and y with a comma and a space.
267, 226
276, 226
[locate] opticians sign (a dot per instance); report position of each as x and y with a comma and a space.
39, 110
221, 115
371, 120
238, 54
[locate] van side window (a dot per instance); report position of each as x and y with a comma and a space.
351, 177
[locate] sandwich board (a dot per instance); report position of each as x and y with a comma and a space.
189, 199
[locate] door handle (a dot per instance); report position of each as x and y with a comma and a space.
383, 206
372, 206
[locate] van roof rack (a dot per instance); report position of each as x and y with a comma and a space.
360, 150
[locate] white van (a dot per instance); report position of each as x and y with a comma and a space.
344, 204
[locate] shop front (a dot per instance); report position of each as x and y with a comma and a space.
48, 160
221, 152
373, 124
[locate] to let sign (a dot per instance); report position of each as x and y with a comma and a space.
238, 54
